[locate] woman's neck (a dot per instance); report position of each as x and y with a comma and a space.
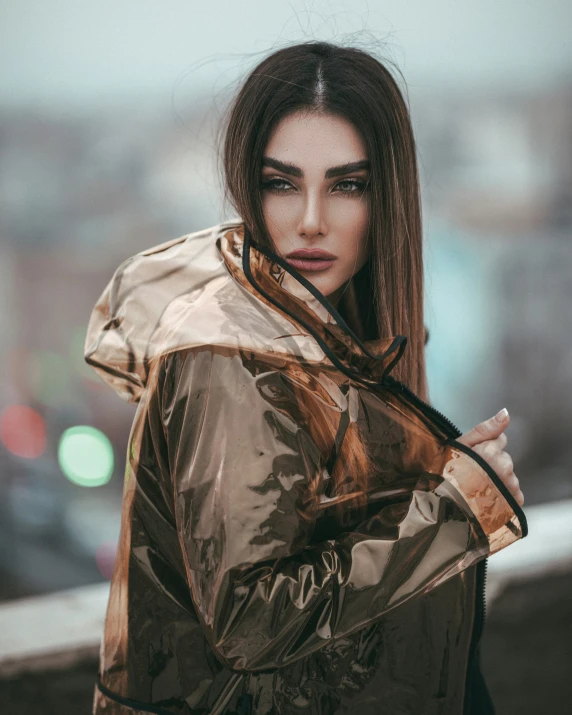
334, 297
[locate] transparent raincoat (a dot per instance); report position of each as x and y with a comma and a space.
238, 587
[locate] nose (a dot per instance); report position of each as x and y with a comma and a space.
313, 219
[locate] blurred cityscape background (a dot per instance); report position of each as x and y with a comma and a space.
108, 122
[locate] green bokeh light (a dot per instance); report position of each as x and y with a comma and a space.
85, 456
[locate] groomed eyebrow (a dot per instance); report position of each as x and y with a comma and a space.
333, 171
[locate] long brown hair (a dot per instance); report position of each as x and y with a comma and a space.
351, 83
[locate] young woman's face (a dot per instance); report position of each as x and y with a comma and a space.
314, 198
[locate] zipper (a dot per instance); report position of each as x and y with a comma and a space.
399, 343
450, 428
438, 418
442, 421
481, 568
486, 562
453, 432
473, 666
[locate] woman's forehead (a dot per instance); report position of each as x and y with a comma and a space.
318, 140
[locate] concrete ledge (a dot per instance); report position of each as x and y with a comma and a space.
51, 631
545, 551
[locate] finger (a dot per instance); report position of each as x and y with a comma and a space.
490, 448
489, 429
503, 465
501, 462
507, 465
512, 484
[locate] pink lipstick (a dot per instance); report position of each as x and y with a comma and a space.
310, 259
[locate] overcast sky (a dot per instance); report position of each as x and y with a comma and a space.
83, 53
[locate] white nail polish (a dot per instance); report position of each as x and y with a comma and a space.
502, 415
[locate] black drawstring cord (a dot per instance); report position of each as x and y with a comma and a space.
398, 344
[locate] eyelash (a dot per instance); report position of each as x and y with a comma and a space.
271, 185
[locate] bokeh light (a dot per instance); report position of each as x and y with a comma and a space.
85, 456
23, 431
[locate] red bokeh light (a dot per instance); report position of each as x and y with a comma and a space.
23, 431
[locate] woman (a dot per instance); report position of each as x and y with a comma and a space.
301, 531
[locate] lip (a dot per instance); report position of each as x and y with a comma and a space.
310, 253
310, 259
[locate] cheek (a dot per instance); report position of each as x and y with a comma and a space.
278, 219
278, 209
356, 233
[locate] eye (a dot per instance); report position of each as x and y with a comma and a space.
353, 186
275, 185
282, 186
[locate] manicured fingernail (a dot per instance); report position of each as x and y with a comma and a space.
502, 415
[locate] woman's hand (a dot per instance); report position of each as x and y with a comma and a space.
488, 440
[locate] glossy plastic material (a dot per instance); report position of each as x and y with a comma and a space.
238, 588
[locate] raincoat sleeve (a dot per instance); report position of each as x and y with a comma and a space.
265, 591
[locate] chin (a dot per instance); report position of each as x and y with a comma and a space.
326, 287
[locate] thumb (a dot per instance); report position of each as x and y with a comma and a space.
489, 429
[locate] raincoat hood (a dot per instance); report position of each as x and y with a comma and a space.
215, 287
301, 534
